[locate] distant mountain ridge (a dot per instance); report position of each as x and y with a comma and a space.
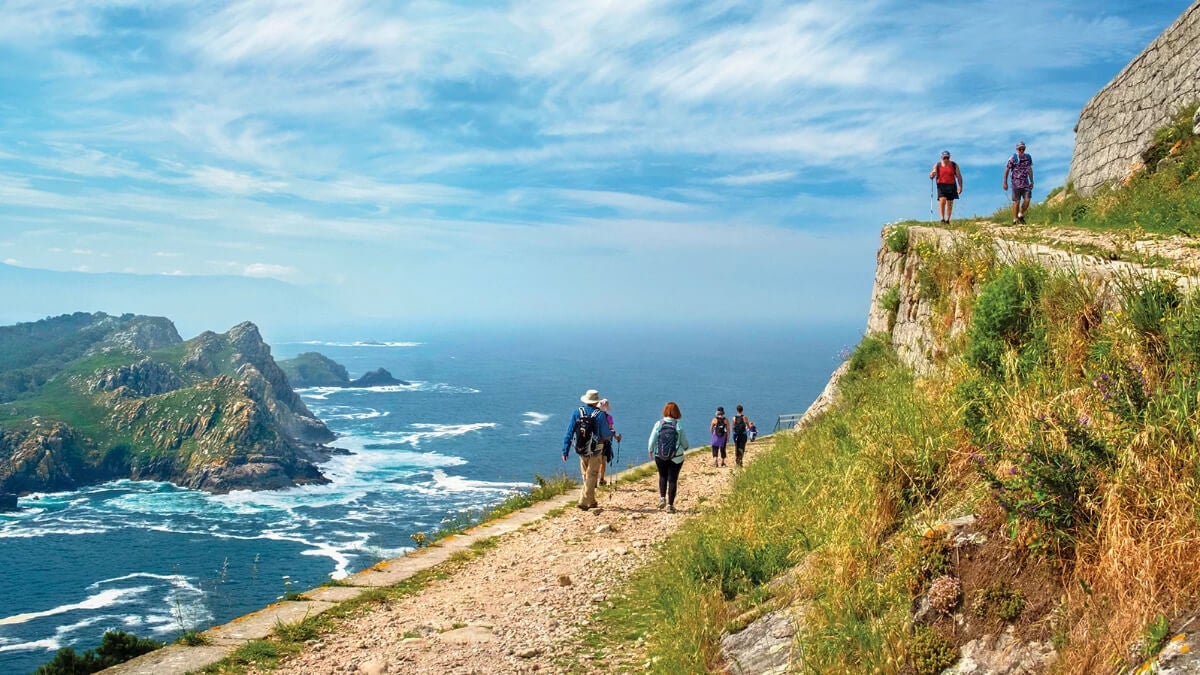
86, 398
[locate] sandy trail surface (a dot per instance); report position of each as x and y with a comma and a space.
524, 606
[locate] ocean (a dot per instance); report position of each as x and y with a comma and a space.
485, 412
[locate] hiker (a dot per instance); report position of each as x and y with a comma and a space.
753, 432
720, 435
1020, 165
949, 185
741, 428
608, 449
586, 433
667, 445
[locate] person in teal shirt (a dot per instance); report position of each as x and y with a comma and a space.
668, 456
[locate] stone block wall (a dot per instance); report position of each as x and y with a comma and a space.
1118, 124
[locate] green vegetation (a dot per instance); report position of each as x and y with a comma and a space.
115, 647
312, 369
896, 238
1164, 198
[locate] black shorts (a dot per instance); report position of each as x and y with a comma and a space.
1018, 193
947, 190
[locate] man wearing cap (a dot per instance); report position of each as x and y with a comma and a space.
949, 185
591, 456
1020, 165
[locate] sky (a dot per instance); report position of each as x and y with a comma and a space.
529, 161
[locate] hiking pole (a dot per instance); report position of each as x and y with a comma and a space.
932, 196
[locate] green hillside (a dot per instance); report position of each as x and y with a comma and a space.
87, 398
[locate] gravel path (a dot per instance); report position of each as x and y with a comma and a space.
523, 606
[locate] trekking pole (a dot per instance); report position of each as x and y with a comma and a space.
932, 196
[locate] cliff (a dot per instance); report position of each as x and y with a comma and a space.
86, 398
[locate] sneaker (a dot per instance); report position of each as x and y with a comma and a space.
722, 462
582, 507
1014, 221
671, 508
1021, 219
603, 481
662, 503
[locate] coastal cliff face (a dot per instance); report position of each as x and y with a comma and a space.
907, 288
125, 397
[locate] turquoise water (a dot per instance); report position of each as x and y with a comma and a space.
484, 413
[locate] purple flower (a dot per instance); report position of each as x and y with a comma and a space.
1012, 471
1084, 420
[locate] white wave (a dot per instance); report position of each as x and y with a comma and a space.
101, 600
48, 644
31, 532
447, 483
536, 419
356, 343
61, 631
369, 414
422, 432
323, 393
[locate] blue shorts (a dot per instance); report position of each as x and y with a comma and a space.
1019, 193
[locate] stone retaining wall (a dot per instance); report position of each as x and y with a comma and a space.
1118, 124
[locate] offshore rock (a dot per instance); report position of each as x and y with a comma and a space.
377, 378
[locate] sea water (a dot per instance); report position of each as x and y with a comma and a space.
483, 413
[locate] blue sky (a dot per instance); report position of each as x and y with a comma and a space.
428, 160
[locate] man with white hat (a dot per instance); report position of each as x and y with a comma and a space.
587, 433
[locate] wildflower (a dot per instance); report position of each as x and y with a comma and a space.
1084, 420
1012, 471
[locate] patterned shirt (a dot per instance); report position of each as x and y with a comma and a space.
1020, 168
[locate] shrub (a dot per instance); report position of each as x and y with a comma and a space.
999, 600
874, 351
890, 302
1005, 319
944, 593
1055, 480
896, 238
115, 647
929, 652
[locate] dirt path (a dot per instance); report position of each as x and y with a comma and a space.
521, 607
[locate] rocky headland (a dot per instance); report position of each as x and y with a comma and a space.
313, 369
86, 398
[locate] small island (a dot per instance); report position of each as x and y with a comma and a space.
313, 369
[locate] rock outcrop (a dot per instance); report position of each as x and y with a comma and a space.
214, 413
312, 369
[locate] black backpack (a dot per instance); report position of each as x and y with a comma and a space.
720, 428
587, 435
668, 439
739, 425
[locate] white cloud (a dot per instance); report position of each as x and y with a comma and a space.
12, 261
756, 178
268, 270
82, 251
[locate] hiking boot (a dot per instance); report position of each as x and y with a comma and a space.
722, 462
662, 503
1014, 221
1021, 220
582, 507
603, 481
671, 508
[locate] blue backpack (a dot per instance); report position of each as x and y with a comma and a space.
668, 439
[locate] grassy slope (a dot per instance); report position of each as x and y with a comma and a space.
1071, 432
